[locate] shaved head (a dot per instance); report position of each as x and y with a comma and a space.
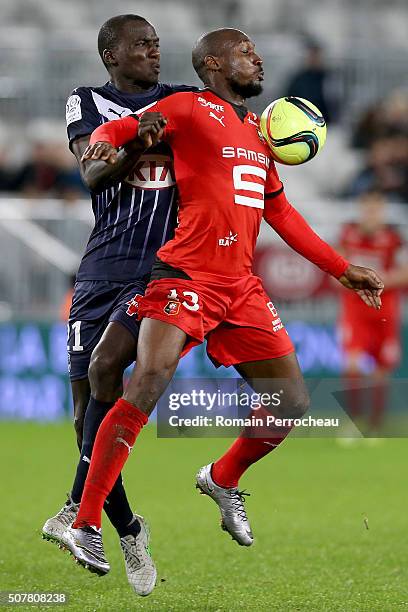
213, 43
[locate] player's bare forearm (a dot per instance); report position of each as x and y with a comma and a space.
96, 173
133, 133
365, 282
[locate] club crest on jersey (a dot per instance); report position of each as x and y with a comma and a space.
152, 172
133, 305
172, 308
217, 107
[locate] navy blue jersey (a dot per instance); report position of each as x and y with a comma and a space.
136, 216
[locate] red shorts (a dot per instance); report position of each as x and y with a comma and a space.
236, 317
379, 339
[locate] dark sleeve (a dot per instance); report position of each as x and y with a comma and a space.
82, 115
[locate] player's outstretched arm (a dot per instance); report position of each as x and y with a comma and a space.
107, 138
298, 234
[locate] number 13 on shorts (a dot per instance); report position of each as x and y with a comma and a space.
173, 306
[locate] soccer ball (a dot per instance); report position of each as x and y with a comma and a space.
295, 130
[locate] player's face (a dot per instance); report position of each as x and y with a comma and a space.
243, 68
137, 56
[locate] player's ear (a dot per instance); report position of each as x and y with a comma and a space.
212, 63
108, 56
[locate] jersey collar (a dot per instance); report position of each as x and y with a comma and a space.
140, 96
240, 109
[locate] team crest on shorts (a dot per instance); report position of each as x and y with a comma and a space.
172, 308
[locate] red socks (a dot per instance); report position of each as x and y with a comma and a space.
245, 451
114, 441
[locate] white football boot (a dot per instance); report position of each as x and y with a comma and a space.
55, 526
140, 568
231, 505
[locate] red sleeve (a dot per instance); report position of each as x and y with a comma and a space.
117, 132
273, 184
297, 233
176, 108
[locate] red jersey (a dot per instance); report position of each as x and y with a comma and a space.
223, 170
379, 252
227, 181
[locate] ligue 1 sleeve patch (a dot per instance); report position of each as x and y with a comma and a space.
73, 111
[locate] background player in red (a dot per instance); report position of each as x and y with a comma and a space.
202, 283
371, 338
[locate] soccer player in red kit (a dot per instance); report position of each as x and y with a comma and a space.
372, 333
202, 285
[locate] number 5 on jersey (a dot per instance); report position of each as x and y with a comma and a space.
258, 189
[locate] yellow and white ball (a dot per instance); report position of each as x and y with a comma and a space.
295, 130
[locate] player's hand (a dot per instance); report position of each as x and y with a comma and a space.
151, 127
365, 282
102, 151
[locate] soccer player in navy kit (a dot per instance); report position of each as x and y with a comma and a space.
134, 204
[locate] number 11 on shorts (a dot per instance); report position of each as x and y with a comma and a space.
76, 328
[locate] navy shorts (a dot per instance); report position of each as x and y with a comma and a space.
94, 305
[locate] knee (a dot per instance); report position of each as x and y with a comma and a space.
150, 382
158, 371
302, 405
104, 368
298, 405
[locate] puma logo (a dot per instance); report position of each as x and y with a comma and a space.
125, 443
219, 119
111, 110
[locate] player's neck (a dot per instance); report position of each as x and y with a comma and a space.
128, 86
225, 92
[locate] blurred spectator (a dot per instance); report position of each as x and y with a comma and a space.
48, 172
312, 82
6, 176
382, 120
383, 132
38, 163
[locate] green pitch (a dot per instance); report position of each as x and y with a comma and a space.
308, 505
